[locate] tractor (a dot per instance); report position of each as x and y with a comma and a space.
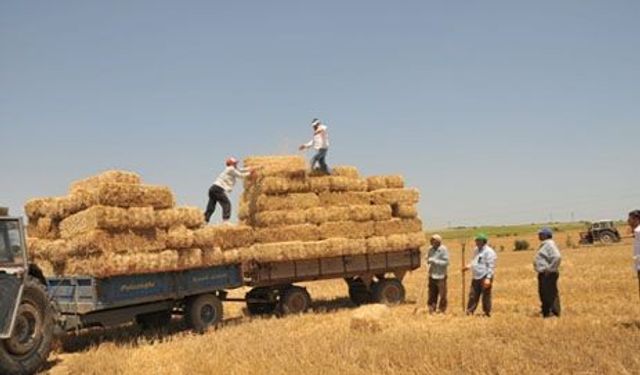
603, 231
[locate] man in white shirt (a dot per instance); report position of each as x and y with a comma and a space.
320, 143
547, 264
224, 184
483, 268
634, 223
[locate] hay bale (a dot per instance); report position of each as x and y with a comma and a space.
345, 171
347, 229
124, 264
190, 217
189, 258
107, 242
277, 252
244, 211
278, 166
110, 176
370, 318
395, 196
287, 202
108, 218
44, 227
129, 195
320, 215
56, 208
405, 211
394, 182
235, 256
224, 236
398, 242
280, 218
376, 183
345, 199
320, 184
180, 237
377, 244
342, 184
397, 226
212, 256
417, 240
281, 185
381, 212
302, 232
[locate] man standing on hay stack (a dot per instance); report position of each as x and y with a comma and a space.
438, 260
547, 265
224, 184
634, 223
483, 267
320, 143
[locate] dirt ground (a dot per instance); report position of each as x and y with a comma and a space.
599, 331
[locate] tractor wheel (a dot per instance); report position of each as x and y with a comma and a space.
359, 293
294, 300
27, 350
203, 311
607, 238
156, 320
389, 292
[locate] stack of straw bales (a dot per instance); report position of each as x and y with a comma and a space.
112, 224
299, 215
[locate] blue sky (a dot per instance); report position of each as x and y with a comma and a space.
499, 111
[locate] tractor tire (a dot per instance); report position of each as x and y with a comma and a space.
203, 311
27, 350
359, 294
607, 238
294, 300
156, 320
389, 292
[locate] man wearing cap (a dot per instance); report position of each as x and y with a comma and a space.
438, 260
320, 143
547, 265
482, 266
223, 185
634, 223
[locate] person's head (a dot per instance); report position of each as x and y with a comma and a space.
545, 234
634, 219
436, 240
315, 124
481, 240
231, 162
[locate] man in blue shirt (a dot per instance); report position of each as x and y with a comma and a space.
482, 266
547, 265
438, 260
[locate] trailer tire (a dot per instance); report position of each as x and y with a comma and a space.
294, 300
28, 349
260, 308
389, 292
156, 320
359, 294
203, 311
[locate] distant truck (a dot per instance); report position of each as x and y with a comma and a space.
603, 231
32, 306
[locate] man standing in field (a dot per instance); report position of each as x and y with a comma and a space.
320, 143
438, 260
222, 186
547, 265
482, 266
634, 223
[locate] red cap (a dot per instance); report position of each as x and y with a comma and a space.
231, 161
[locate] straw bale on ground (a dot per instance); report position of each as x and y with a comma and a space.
395, 196
110, 176
347, 229
397, 226
224, 236
288, 202
302, 232
280, 218
190, 217
108, 218
345, 199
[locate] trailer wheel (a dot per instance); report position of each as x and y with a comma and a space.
263, 307
154, 320
358, 292
27, 350
203, 311
389, 292
294, 300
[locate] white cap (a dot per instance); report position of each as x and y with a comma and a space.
437, 237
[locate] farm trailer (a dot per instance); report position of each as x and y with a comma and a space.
369, 278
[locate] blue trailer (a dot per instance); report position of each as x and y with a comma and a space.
148, 299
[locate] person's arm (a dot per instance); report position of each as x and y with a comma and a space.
306, 145
442, 259
240, 173
491, 264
